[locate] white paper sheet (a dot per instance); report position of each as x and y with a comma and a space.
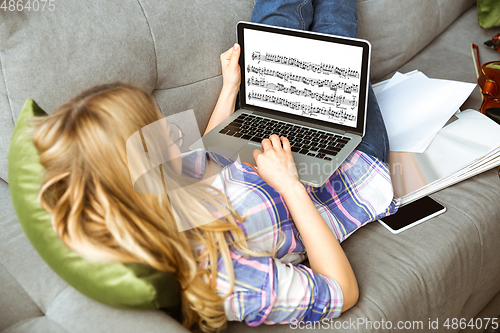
457, 152
379, 86
398, 78
416, 108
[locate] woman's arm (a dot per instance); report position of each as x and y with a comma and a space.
231, 78
326, 256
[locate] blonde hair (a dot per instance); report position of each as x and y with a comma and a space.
97, 213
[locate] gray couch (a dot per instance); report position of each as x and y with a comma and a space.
448, 267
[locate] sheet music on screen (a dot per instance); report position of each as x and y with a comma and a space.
306, 77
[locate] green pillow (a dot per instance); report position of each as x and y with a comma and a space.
488, 13
126, 286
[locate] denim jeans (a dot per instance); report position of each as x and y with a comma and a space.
335, 17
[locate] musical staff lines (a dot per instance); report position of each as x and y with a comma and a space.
307, 86
306, 109
272, 87
288, 77
305, 65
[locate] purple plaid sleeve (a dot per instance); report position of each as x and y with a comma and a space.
268, 291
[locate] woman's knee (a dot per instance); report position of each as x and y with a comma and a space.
335, 17
287, 14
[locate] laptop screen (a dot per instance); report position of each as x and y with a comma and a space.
311, 77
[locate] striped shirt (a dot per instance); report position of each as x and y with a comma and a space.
278, 289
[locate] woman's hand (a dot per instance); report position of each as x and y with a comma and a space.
231, 74
231, 78
275, 165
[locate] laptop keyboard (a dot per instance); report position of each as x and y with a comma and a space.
303, 140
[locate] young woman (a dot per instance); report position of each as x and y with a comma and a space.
245, 264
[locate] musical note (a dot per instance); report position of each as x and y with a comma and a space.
308, 93
336, 100
321, 68
307, 109
288, 76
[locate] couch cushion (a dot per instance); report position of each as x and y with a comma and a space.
478, 200
189, 70
398, 30
189, 37
75, 313
15, 304
53, 55
124, 286
79, 314
36, 325
199, 97
22, 263
6, 124
449, 56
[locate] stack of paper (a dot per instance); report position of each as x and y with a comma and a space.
420, 165
415, 108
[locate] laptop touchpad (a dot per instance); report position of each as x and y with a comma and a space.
228, 152
246, 153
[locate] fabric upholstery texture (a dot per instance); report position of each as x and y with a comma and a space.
123, 286
6, 122
489, 311
16, 304
111, 36
36, 325
446, 267
73, 312
398, 30
21, 261
449, 57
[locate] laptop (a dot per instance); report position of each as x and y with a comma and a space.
311, 88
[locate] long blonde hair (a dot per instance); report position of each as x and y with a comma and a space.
97, 213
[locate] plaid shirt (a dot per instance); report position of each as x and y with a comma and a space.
279, 289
